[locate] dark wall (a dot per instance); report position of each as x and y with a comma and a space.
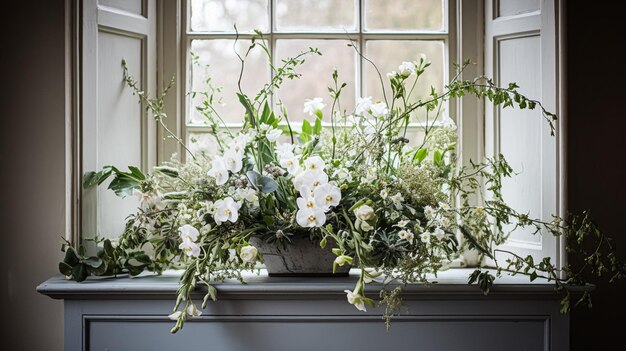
32, 170
596, 148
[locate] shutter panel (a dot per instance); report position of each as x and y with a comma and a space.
116, 129
521, 46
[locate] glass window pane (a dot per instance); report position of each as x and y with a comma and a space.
319, 15
223, 71
317, 75
389, 54
404, 15
202, 143
221, 15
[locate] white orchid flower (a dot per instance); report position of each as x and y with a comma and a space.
273, 134
233, 160
145, 199
306, 200
226, 210
312, 106
188, 232
363, 105
406, 69
190, 248
314, 163
311, 179
406, 235
218, 171
311, 217
248, 254
379, 109
285, 150
356, 300
343, 175
291, 164
327, 196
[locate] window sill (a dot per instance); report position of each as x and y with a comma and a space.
452, 282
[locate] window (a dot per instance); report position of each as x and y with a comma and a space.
385, 32
509, 40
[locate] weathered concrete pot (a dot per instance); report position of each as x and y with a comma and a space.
300, 258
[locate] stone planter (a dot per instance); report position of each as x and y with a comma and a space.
300, 258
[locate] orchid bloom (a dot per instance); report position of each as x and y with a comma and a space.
226, 210
218, 171
312, 106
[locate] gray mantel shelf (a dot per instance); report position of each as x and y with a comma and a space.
271, 313
453, 281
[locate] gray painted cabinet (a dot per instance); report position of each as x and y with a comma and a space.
271, 313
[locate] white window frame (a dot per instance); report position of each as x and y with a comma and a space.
448, 35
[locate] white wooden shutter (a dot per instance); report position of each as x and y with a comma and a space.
521, 46
116, 129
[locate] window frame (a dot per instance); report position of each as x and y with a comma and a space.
448, 35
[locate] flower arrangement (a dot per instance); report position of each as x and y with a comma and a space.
396, 208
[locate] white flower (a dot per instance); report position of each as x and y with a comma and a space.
439, 233
193, 311
402, 223
248, 194
174, 316
364, 213
190, 248
273, 134
310, 179
425, 236
392, 74
327, 195
226, 210
292, 164
306, 201
379, 109
248, 254
444, 206
241, 140
406, 69
397, 199
311, 217
342, 174
145, 199
384, 193
363, 105
218, 171
406, 235
233, 160
311, 106
188, 232
429, 212
356, 300
285, 150
314, 163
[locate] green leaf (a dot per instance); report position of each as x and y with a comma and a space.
136, 172
306, 131
93, 261
323, 242
420, 155
317, 129
168, 171
336, 251
65, 269
533, 275
269, 220
266, 113
246, 104
70, 257
79, 273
